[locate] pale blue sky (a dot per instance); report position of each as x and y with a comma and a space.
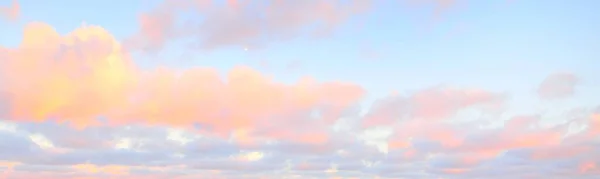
492, 44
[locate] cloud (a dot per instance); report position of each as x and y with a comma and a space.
77, 106
439, 7
421, 115
50, 69
13, 146
241, 23
430, 104
209, 25
86, 106
465, 150
82, 104
84, 76
558, 85
519, 147
11, 12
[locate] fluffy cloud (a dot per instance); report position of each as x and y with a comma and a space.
84, 76
78, 99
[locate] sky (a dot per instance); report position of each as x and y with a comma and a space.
328, 89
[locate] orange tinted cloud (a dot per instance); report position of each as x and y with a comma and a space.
93, 169
74, 77
456, 170
55, 175
86, 74
12, 11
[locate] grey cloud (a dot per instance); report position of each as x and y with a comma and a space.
558, 85
14, 146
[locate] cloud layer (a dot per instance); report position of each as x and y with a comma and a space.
77, 106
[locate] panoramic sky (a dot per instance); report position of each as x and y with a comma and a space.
328, 89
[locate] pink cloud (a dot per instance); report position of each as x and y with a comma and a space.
586, 167
439, 7
238, 22
433, 104
440, 103
79, 77
558, 85
12, 11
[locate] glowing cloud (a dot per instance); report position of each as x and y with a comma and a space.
85, 74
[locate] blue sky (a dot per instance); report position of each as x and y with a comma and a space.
484, 36
503, 47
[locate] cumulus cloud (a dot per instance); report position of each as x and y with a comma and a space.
84, 76
84, 104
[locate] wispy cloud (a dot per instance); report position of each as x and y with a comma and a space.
241, 23
558, 85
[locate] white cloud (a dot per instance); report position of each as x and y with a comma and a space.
123, 143
8, 126
249, 156
180, 136
377, 137
41, 141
